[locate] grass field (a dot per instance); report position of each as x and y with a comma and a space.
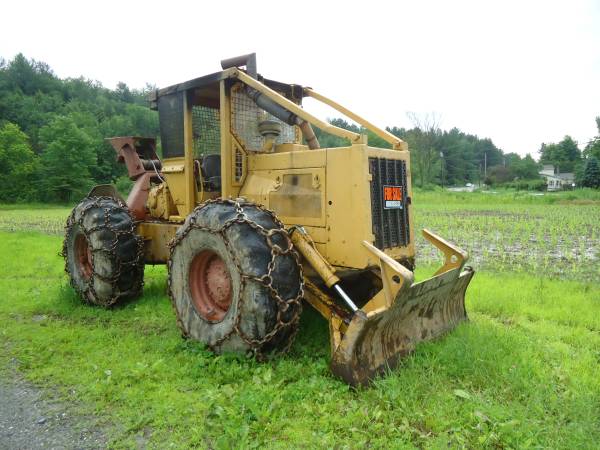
523, 373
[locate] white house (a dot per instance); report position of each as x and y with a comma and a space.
555, 180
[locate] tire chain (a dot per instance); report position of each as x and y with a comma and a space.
265, 280
114, 279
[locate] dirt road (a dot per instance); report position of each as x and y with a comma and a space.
28, 420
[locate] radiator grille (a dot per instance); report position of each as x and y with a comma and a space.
390, 226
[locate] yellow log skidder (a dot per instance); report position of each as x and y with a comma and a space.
252, 216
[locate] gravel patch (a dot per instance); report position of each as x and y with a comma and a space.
29, 420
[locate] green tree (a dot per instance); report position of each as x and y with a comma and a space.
123, 93
522, 168
19, 165
591, 173
424, 140
593, 147
31, 96
30, 76
497, 175
528, 168
67, 160
565, 155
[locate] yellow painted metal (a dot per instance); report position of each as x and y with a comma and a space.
349, 206
341, 177
290, 147
324, 195
396, 142
297, 159
375, 343
172, 166
173, 171
228, 185
238, 156
156, 239
326, 306
394, 277
306, 247
320, 301
160, 203
298, 195
188, 140
454, 256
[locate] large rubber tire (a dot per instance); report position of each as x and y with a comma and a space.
251, 279
104, 256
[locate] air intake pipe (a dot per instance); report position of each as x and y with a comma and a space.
269, 105
264, 102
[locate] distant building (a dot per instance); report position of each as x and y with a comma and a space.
555, 180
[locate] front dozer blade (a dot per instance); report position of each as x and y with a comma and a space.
376, 341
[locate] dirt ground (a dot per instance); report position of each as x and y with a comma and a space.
29, 420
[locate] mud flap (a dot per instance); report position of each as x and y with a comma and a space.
422, 311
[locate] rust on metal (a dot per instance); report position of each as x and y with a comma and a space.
210, 285
143, 167
83, 254
323, 303
138, 197
137, 153
396, 319
375, 343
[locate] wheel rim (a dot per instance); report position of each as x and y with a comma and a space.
83, 256
210, 286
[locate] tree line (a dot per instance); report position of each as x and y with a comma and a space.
448, 157
52, 131
53, 147
453, 157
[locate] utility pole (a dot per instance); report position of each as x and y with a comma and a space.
484, 165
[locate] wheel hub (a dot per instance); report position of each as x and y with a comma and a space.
83, 256
210, 286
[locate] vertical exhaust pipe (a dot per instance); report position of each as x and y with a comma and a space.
248, 60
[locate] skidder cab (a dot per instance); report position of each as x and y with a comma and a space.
251, 216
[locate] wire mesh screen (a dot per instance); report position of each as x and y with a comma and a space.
206, 126
245, 117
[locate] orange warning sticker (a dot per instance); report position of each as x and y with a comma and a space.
392, 197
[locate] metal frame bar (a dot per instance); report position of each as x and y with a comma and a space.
454, 256
396, 142
188, 154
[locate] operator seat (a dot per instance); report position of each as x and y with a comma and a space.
211, 172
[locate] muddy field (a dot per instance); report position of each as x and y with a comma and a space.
560, 239
554, 240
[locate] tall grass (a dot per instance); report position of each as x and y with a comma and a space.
523, 373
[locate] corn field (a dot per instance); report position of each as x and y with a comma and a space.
559, 239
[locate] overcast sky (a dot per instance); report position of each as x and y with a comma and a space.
521, 73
